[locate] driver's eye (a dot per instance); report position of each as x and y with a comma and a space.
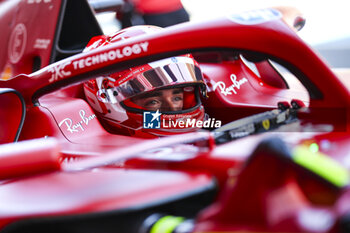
177, 98
152, 102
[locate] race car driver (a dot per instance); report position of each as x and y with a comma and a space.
168, 90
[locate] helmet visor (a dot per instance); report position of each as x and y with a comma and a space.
175, 99
161, 74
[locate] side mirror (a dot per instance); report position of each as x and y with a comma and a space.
12, 115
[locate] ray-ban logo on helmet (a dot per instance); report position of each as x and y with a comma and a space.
151, 120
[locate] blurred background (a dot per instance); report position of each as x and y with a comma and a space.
325, 30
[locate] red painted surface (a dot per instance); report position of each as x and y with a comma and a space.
264, 194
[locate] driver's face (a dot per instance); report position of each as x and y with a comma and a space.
164, 100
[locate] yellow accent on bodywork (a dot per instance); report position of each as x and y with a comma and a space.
166, 224
322, 165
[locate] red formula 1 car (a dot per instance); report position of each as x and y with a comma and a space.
278, 163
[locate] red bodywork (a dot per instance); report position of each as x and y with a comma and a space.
69, 173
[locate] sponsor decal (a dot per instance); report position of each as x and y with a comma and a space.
152, 120
59, 71
256, 16
111, 55
243, 131
62, 70
232, 89
42, 43
75, 127
132, 74
17, 43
